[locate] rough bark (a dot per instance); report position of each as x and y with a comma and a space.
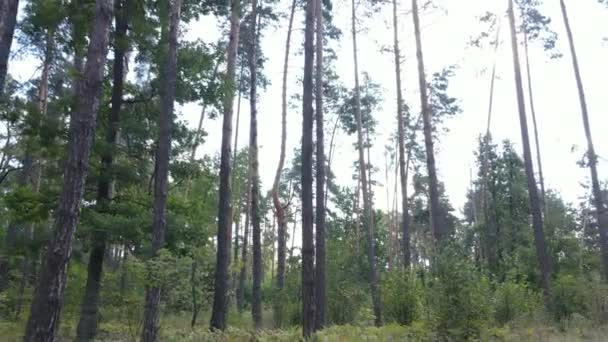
220, 296
151, 322
405, 230
535, 206
256, 303
308, 252
320, 286
278, 206
437, 221
8, 19
367, 205
46, 305
600, 209
87, 325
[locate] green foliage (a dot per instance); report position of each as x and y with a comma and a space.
568, 296
459, 296
401, 294
512, 300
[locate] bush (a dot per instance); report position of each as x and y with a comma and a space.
568, 296
400, 297
459, 297
512, 300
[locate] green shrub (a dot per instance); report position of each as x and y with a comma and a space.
512, 300
459, 297
568, 296
400, 297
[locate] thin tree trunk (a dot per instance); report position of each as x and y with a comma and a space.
308, 251
405, 229
541, 179
195, 304
151, 322
240, 293
8, 20
220, 297
330, 156
256, 305
87, 325
46, 305
391, 230
320, 286
537, 218
236, 214
600, 209
437, 222
357, 211
367, 202
278, 206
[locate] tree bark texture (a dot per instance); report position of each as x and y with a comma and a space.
220, 295
308, 252
151, 322
48, 297
320, 286
87, 325
8, 20
256, 305
437, 219
535, 206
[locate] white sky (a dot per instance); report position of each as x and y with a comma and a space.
445, 34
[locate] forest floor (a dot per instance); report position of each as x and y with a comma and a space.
177, 329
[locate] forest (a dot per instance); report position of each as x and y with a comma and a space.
324, 170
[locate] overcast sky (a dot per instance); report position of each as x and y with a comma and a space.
445, 36
446, 33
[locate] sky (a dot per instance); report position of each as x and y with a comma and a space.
446, 30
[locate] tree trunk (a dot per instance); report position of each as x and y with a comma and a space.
308, 252
256, 305
236, 217
330, 156
367, 205
535, 207
437, 222
405, 229
220, 297
320, 194
602, 214
541, 178
46, 305
87, 326
278, 206
240, 293
195, 304
151, 322
8, 19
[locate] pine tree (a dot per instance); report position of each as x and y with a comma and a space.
46, 305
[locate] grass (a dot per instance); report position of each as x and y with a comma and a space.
177, 328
